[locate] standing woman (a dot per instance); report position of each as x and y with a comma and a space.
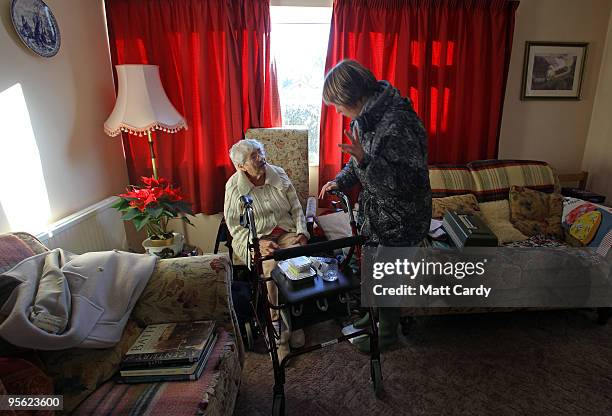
389, 159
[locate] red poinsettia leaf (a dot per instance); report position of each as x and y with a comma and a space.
148, 181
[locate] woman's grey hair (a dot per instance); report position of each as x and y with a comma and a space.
347, 83
243, 149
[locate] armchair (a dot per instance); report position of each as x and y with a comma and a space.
287, 148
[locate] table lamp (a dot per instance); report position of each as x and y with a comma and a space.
142, 106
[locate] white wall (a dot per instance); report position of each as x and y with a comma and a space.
598, 153
553, 131
68, 97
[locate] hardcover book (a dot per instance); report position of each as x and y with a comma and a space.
172, 344
151, 375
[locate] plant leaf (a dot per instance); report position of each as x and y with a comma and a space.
140, 222
131, 214
155, 212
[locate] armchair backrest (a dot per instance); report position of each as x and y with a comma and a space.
287, 148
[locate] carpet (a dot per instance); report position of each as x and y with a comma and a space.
519, 363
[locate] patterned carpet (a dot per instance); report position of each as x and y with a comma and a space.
530, 363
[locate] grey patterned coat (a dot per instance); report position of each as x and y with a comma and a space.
395, 201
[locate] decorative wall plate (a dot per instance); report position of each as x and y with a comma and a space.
36, 26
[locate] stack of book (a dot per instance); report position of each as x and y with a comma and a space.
169, 352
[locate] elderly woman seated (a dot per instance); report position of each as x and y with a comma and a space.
278, 215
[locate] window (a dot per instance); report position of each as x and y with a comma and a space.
299, 46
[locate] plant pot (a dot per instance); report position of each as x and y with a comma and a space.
169, 247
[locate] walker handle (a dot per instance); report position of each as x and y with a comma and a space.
289, 253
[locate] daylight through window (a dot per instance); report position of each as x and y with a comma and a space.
299, 46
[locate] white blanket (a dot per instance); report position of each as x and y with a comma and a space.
63, 300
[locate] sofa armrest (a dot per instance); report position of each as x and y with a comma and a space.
188, 289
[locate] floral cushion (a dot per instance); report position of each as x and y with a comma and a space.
466, 204
533, 212
187, 289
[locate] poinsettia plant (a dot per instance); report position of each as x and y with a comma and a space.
152, 206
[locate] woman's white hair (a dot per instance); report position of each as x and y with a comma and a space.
243, 149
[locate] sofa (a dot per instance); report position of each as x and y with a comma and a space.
491, 182
483, 187
180, 289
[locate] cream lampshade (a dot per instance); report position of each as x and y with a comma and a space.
142, 106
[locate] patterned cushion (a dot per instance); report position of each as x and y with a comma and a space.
588, 224
461, 203
187, 289
493, 178
447, 180
533, 212
287, 148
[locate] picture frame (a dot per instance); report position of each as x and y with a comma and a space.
36, 26
553, 70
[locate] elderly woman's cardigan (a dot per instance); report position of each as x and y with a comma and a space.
395, 202
275, 204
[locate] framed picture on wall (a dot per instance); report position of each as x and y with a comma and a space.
553, 70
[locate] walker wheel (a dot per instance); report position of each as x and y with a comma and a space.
249, 336
278, 405
376, 374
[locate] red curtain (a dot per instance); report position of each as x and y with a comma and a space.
450, 57
214, 63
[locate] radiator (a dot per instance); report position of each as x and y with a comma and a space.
95, 228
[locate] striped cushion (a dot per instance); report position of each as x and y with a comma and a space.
493, 178
448, 180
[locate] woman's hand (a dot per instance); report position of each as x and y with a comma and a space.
329, 186
354, 149
300, 240
267, 247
